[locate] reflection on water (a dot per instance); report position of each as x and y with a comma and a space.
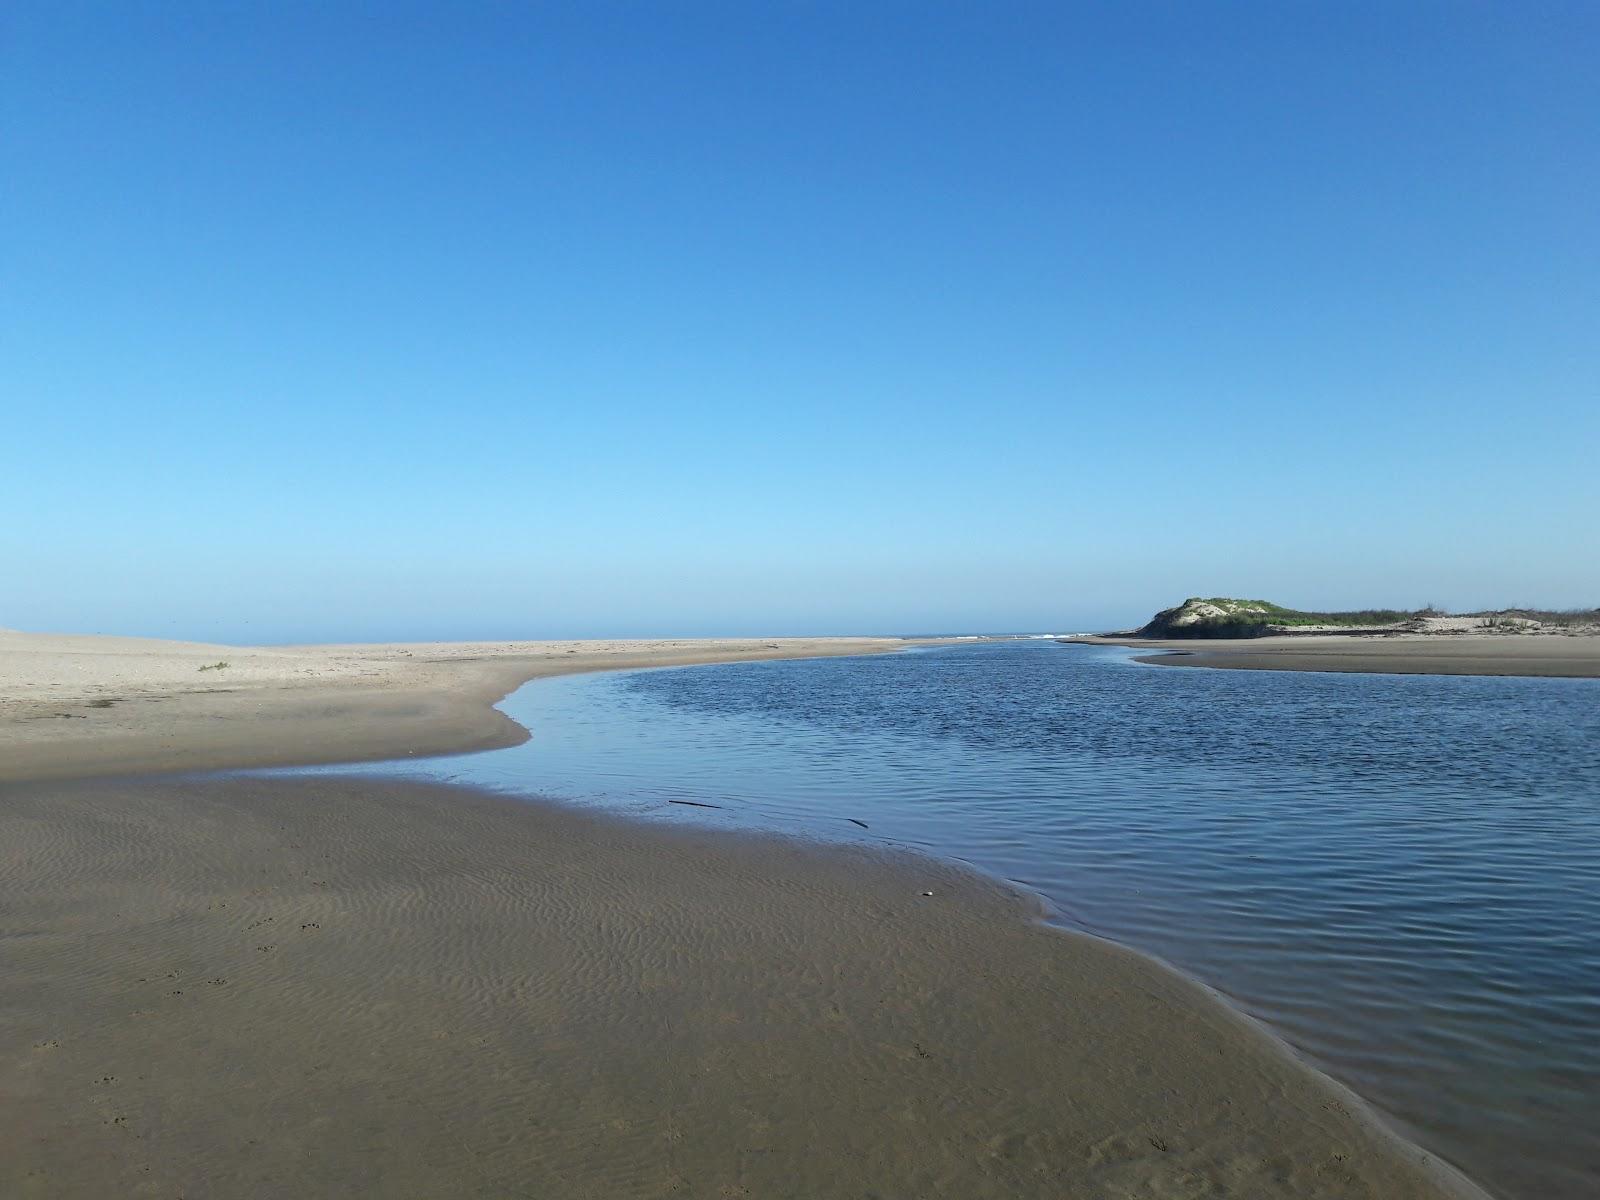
1401, 874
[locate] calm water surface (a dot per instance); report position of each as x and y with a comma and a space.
1400, 874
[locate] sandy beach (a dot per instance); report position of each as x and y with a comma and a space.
79, 705
227, 986
342, 987
1553, 655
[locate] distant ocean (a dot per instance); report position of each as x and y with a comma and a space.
1399, 874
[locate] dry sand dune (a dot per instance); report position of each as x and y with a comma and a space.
340, 987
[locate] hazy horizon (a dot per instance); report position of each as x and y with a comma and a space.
219, 628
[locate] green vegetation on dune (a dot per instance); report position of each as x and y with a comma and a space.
1228, 617
1366, 616
1279, 615
1564, 618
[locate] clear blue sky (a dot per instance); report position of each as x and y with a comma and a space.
328, 321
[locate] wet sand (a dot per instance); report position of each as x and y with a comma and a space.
341, 987
79, 705
1552, 655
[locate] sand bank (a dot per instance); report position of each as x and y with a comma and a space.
341, 987
1426, 654
73, 706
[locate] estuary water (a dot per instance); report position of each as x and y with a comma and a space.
1398, 874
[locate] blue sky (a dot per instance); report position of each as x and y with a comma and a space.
339, 321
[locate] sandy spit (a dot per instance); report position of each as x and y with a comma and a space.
1424, 654
347, 987
79, 705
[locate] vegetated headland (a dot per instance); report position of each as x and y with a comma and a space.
1220, 617
1261, 635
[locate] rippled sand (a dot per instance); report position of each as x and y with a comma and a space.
340, 987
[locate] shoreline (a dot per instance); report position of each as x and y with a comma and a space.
393, 970
1552, 656
74, 706
219, 728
